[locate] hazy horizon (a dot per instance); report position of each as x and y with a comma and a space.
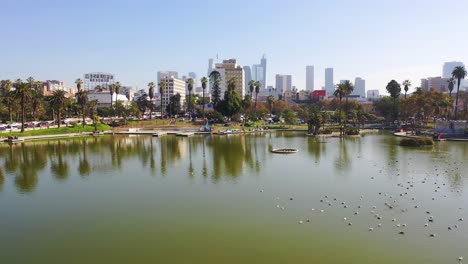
373, 40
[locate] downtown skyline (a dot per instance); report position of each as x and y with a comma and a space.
362, 43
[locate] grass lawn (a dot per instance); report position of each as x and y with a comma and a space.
55, 131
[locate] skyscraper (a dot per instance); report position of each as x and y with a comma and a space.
248, 77
448, 68
259, 72
210, 66
263, 62
309, 77
329, 86
283, 83
228, 70
360, 87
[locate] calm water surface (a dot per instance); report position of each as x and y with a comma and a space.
227, 199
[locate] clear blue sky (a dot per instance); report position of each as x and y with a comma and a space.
376, 40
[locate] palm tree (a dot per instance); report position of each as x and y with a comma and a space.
118, 87
394, 89
204, 81
406, 85
83, 100
251, 88
339, 92
348, 89
257, 90
190, 88
270, 101
78, 83
23, 93
162, 86
111, 91
451, 84
458, 73
151, 96
58, 102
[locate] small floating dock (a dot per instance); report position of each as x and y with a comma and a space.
284, 151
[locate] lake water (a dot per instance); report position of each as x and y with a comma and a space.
228, 199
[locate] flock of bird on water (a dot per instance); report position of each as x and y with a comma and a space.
391, 204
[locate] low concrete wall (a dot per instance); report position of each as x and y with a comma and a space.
451, 127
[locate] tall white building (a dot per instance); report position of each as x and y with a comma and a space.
166, 74
329, 86
283, 83
93, 79
448, 68
360, 87
173, 86
309, 77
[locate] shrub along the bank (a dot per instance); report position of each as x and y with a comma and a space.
352, 131
417, 142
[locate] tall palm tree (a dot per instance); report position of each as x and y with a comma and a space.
348, 89
204, 82
151, 86
23, 93
190, 88
78, 83
251, 88
58, 102
83, 100
270, 101
112, 91
394, 89
451, 84
458, 73
118, 88
339, 92
406, 85
257, 90
162, 87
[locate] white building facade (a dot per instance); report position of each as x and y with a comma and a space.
93, 79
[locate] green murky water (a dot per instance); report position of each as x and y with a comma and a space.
227, 199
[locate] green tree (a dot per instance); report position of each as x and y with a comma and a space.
231, 104
23, 94
406, 85
394, 89
314, 120
289, 117
451, 84
458, 73
58, 102
174, 106
8, 96
151, 87
215, 78
204, 82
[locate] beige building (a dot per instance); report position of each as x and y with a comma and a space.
173, 86
228, 70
